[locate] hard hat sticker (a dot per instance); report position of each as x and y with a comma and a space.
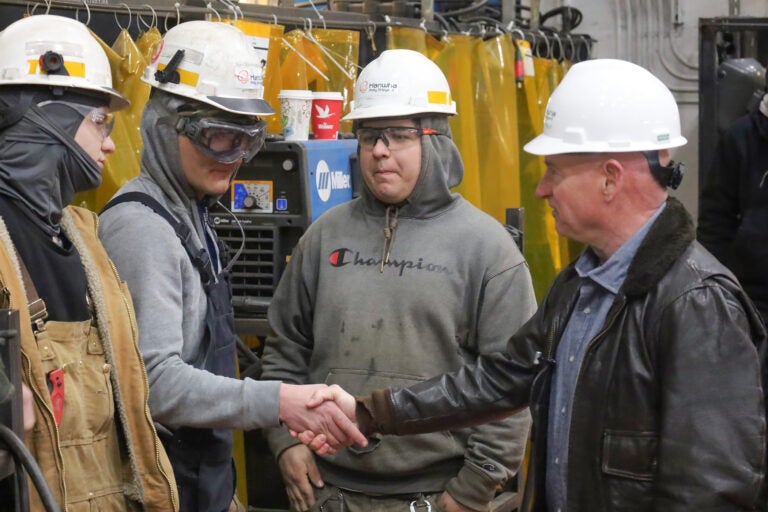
249, 77
157, 52
439, 97
378, 87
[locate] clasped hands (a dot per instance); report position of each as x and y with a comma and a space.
322, 417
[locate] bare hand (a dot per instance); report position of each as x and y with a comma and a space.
326, 419
297, 464
446, 503
27, 408
344, 400
316, 443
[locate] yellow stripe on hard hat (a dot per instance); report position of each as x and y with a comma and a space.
189, 78
440, 97
73, 68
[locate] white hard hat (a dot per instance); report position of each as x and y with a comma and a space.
401, 83
608, 106
213, 63
56, 51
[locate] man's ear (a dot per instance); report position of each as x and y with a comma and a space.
613, 175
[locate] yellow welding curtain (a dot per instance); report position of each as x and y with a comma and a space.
455, 61
271, 35
414, 39
321, 60
127, 63
542, 244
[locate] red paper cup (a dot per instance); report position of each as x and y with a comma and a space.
326, 114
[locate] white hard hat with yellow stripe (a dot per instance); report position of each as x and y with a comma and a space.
401, 83
213, 63
55, 51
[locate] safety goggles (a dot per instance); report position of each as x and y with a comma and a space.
104, 121
394, 137
223, 141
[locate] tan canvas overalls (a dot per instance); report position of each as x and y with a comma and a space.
88, 437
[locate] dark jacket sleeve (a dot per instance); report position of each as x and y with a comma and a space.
498, 385
719, 200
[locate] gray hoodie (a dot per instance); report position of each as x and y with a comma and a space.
168, 295
455, 286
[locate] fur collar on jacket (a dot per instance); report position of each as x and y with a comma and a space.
669, 236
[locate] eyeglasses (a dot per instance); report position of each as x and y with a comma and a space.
394, 137
223, 141
104, 121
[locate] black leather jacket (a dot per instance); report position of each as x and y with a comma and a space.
669, 410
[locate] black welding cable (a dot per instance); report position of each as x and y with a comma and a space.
21, 454
466, 10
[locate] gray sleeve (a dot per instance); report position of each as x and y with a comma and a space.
149, 257
288, 351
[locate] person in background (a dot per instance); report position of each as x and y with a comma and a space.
405, 282
643, 366
733, 203
93, 435
199, 125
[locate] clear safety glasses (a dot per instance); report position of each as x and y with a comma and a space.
394, 137
104, 121
221, 140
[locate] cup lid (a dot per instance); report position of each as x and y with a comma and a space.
297, 94
329, 95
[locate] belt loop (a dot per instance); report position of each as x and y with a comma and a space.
414, 505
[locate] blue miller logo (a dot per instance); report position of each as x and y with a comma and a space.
327, 181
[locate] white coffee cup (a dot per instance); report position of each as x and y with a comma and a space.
295, 113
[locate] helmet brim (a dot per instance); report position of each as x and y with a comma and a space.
117, 101
244, 106
386, 111
547, 145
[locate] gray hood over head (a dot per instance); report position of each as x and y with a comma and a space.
160, 157
441, 169
42, 167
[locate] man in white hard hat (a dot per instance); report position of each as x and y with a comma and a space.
93, 436
403, 283
642, 366
199, 125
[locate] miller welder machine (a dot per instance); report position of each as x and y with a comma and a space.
275, 197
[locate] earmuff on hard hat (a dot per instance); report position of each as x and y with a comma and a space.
670, 175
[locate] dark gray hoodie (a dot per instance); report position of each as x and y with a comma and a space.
455, 285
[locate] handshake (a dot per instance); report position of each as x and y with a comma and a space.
320, 416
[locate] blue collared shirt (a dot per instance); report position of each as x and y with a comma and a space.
597, 292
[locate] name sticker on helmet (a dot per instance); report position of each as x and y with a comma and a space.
378, 87
249, 77
549, 116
